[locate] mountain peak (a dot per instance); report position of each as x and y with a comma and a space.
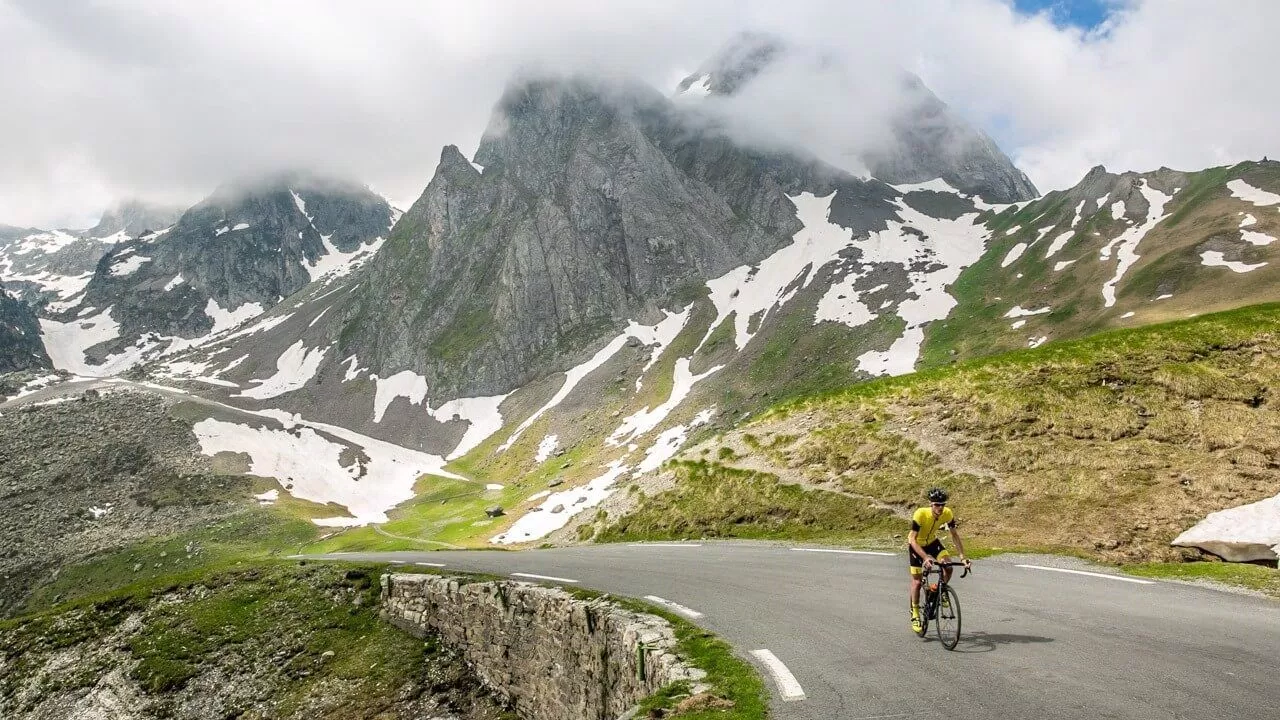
134, 217
919, 137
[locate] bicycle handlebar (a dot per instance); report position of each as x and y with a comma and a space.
937, 566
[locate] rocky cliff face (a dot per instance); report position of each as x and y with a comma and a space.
51, 267
594, 205
228, 259
923, 138
20, 345
511, 632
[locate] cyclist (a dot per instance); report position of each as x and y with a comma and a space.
924, 547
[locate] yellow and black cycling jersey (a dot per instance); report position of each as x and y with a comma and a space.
927, 526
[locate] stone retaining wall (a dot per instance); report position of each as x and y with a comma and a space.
548, 654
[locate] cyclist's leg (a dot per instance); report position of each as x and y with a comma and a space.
943, 555
915, 566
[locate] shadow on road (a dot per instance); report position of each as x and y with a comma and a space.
980, 642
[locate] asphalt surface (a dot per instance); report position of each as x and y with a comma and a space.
1035, 643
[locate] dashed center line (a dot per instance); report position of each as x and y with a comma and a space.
845, 552
788, 687
427, 564
675, 607
679, 545
543, 577
1136, 581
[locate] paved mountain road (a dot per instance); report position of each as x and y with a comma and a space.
1035, 643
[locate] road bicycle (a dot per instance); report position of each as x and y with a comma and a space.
941, 606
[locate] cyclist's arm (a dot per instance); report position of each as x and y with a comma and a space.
955, 535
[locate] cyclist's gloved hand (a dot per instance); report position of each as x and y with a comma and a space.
928, 562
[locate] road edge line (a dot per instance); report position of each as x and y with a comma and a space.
788, 687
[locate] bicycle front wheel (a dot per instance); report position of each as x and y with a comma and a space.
947, 620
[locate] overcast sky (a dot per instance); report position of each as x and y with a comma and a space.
104, 99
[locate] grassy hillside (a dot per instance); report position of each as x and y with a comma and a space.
266, 641
1108, 446
1168, 281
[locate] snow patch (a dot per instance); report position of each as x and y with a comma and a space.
670, 441
224, 320
1248, 221
645, 333
405, 384
647, 419
128, 266
482, 416
268, 498
1058, 243
294, 369
1059, 265
1018, 311
66, 344
1037, 342
1256, 238
1213, 258
1240, 534
699, 88
352, 370
538, 524
175, 282
335, 263
1126, 243
1076, 220
934, 185
241, 226
1127, 315
1014, 253
546, 447
1249, 193
1117, 209
307, 464
1013, 230
1164, 297
659, 335
1018, 324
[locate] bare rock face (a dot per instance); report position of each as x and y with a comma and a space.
249, 243
607, 658
597, 203
20, 345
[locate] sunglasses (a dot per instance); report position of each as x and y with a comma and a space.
938, 504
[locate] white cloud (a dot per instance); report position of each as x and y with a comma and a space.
166, 100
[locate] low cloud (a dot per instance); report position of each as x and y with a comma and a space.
168, 100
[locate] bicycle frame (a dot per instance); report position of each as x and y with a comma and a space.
929, 610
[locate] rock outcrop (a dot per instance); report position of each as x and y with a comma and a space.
547, 654
20, 344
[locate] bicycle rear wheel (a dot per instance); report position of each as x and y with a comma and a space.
947, 619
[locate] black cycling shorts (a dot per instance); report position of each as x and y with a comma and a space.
934, 549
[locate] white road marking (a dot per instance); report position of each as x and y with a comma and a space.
675, 607
543, 577
844, 552
1090, 574
788, 687
427, 564
681, 545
